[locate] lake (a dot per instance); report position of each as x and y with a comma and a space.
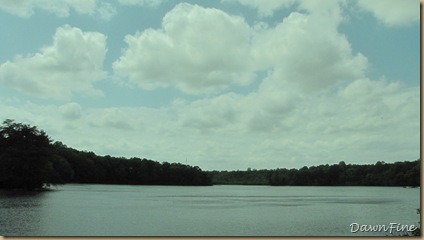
117, 210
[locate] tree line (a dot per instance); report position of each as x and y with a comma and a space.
29, 160
405, 173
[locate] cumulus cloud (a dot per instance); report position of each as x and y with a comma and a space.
26, 8
204, 50
307, 49
393, 12
211, 114
232, 130
71, 64
115, 118
265, 8
197, 50
105, 11
21, 8
321, 127
151, 3
70, 111
315, 105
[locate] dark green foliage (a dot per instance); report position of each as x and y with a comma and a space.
25, 156
381, 174
250, 177
28, 160
90, 168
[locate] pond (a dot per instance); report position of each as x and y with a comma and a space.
118, 210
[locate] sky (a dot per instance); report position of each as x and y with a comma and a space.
219, 84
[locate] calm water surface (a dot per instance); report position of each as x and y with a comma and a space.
113, 210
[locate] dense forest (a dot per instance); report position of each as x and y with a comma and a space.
29, 160
380, 174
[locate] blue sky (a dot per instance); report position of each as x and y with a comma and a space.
227, 84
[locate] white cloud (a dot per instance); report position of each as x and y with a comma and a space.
71, 111
151, 3
22, 8
365, 121
390, 12
329, 13
265, 8
105, 11
211, 114
287, 122
71, 64
393, 12
307, 50
268, 7
306, 130
197, 50
205, 50
315, 106
62, 8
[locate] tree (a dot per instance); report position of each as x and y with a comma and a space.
25, 156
